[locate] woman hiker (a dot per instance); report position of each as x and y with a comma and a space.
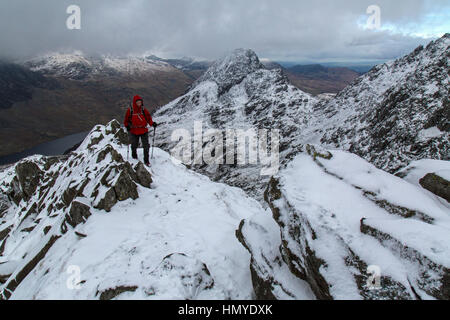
136, 122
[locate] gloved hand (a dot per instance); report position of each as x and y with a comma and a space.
155, 124
128, 128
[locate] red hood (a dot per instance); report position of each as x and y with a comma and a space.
135, 99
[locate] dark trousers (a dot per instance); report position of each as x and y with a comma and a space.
135, 143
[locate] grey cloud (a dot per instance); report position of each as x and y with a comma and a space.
284, 29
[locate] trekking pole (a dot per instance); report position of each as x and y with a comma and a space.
153, 143
128, 147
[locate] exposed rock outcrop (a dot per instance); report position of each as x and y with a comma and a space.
436, 184
49, 195
328, 226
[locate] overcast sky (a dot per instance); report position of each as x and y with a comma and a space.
283, 30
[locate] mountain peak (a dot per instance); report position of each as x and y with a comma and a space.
232, 69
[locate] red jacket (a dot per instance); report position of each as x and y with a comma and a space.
141, 117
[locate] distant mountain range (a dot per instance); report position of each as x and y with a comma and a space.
56, 95
316, 78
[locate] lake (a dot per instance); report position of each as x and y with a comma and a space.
52, 148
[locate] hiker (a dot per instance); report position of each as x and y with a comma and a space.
136, 121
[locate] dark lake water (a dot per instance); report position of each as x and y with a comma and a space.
52, 148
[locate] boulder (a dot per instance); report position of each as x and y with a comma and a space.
78, 213
108, 201
437, 185
143, 176
115, 156
125, 188
184, 276
4, 204
29, 176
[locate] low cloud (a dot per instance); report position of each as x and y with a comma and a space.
323, 30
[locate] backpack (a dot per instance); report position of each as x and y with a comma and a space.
131, 115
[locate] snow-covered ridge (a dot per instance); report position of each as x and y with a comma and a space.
237, 92
342, 219
395, 114
78, 66
131, 231
387, 116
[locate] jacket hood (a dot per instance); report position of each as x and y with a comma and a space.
136, 98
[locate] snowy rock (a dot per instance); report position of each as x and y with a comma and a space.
4, 204
28, 174
112, 293
437, 185
78, 213
238, 93
125, 188
396, 113
342, 221
143, 176
180, 276
231, 70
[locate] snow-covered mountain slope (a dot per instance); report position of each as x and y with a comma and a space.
396, 113
130, 232
341, 219
238, 93
77, 66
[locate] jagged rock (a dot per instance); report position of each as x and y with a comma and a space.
47, 229
262, 285
4, 232
319, 241
432, 277
95, 140
110, 294
122, 136
69, 195
304, 263
78, 213
112, 127
108, 201
29, 175
143, 176
396, 113
14, 192
437, 185
50, 161
188, 276
4, 204
12, 284
115, 156
125, 188
232, 69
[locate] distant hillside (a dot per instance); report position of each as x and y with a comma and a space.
317, 79
62, 94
